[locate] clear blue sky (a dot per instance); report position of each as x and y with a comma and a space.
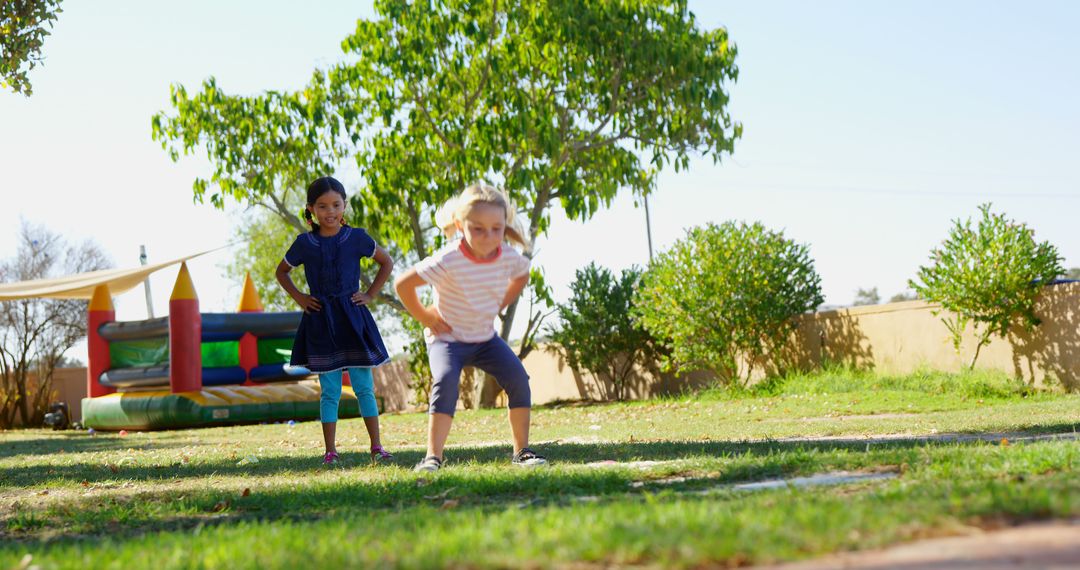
868, 127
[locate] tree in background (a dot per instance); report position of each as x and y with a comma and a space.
265, 150
1073, 273
989, 276
265, 238
597, 332
727, 294
22, 34
867, 297
903, 296
562, 103
35, 333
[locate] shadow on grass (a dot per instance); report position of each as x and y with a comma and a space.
144, 470
375, 490
78, 442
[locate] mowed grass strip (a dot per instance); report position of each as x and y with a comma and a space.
630, 483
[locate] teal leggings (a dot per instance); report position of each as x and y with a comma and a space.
362, 384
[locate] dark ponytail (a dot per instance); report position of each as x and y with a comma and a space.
317, 188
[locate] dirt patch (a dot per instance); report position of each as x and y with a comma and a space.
1051, 546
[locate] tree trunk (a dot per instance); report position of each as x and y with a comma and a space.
974, 357
490, 392
23, 401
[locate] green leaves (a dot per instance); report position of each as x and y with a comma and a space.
260, 146
557, 101
726, 295
22, 35
989, 275
264, 238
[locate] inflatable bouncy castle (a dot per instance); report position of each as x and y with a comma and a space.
193, 369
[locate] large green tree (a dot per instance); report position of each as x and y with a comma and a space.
561, 102
24, 24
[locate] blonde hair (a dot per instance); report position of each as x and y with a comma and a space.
457, 209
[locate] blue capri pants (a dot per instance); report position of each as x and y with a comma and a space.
363, 385
492, 356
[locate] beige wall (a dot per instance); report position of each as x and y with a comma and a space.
892, 338
903, 337
69, 385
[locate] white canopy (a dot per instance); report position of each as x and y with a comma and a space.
81, 285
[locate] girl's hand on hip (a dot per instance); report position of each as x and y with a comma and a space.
309, 303
436, 323
361, 298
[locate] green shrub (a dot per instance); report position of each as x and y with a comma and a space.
598, 333
989, 276
727, 294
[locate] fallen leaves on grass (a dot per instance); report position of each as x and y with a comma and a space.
439, 495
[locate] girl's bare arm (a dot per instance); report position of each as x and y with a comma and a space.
307, 302
406, 285
386, 266
517, 285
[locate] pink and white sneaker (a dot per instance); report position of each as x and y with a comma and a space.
330, 458
380, 455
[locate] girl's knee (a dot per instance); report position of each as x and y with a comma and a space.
444, 394
363, 385
330, 386
519, 394
362, 381
516, 384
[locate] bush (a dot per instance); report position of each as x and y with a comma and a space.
727, 294
598, 333
989, 276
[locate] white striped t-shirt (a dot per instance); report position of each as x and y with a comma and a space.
468, 291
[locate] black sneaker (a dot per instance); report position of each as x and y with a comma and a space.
528, 458
430, 463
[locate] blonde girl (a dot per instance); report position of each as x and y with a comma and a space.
474, 278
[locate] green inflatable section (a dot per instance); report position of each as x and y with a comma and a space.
275, 350
221, 354
155, 352
162, 410
139, 353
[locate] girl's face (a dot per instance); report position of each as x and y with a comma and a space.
328, 209
483, 229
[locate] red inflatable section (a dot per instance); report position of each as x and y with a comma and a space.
185, 336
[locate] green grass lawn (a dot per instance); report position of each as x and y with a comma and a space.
650, 482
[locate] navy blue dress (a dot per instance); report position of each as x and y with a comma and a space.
341, 334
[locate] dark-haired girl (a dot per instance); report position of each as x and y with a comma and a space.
337, 331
